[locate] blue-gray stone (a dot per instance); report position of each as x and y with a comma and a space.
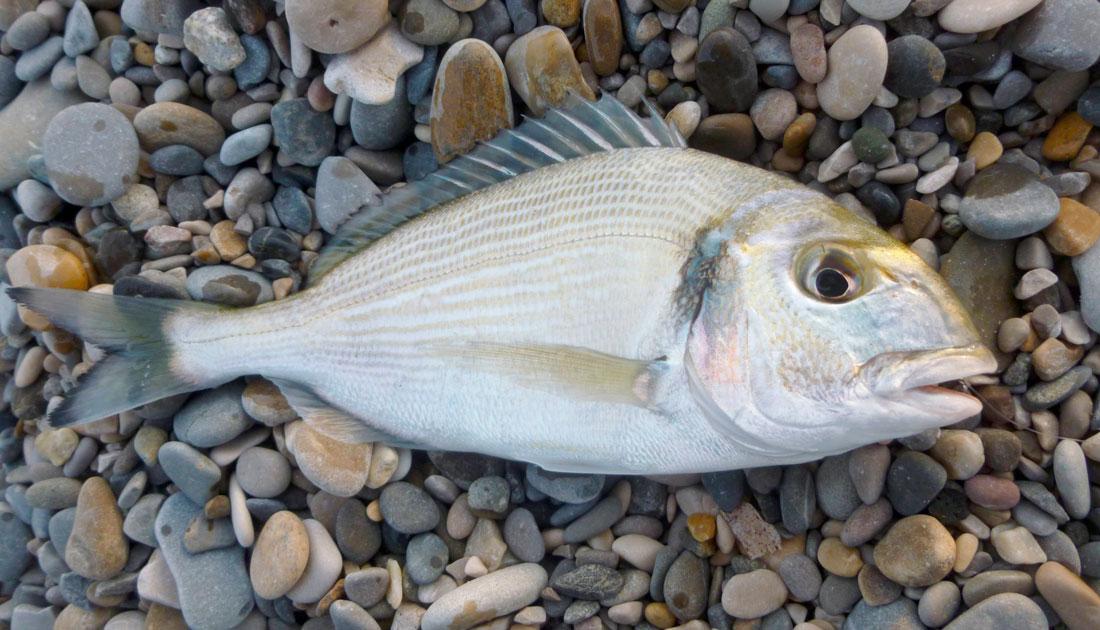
565, 487
785, 77
1087, 268
630, 26
773, 47
140, 519
725, 487
196, 475
10, 85
74, 589
293, 210
31, 617
797, 499
408, 509
185, 198
1088, 104
342, 188
28, 31
257, 62
380, 127
16, 497
14, 557
220, 171
420, 78
1004, 611
1007, 201
225, 284
1060, 34
836, 494
304, 134
269, 242
214, 588
655, 54
213, 417
491, 20
178, 160
158, 16
120, 54
61, 527
425, 558
524, 15
80, 31
901, 614
419, 161
245, 145
38, 61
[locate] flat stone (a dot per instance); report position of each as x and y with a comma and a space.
685, 584
369, 73
408, 508
14, 536
97, 548
1004, 610
900, 614
975, 16
358, 537
196, 474
857, 67
214, 588
158, 16
336, 467
521, 532
212, 417
385, 125
167, 123
1087, 268
1059, 34
425, 558
498, 593
754, 594
336, 26
543, 70
916, 66
73, 143
603, 35
565, 487
279, 556
1075, 602
225, 284
342, 188
589, 581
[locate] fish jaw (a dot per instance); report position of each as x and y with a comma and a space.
911, 379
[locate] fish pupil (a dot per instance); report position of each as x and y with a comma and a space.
831, 283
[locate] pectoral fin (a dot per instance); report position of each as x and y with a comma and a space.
578, 373
335, 423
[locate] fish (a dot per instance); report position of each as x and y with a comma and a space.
585, 293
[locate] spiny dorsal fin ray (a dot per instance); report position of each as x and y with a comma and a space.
581, 128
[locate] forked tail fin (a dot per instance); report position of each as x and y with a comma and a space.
140, 366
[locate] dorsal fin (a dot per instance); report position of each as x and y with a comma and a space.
580, 128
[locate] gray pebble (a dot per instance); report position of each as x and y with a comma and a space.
80, 31
27, 31
521, 532
212, 417
303, 134
342, 188
567, 488
425, 558
246, 144
195, 474
39, 60
37, 201
1072, 479
1006, 201
408, 509
602, 516
368, 586
178, 160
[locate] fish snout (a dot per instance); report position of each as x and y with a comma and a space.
892, 373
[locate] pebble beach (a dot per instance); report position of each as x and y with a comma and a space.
207, 151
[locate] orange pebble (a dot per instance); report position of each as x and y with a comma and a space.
1075, 229
1066, 138
702, 526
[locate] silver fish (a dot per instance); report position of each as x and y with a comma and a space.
584, 293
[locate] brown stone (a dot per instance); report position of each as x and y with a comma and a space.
45, 266
838, 559
543, 70
167, 123
985, 149
797, 135
471, 100
603, 35
97, 548
917, 551
1074, 230
280, 555
338, 468
1069, 596
1066, 138
960, 122
808, 50
561, 13
73, 617
729, 135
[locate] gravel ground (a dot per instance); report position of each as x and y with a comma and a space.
167, 148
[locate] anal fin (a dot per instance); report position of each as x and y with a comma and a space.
331, 421
578, 373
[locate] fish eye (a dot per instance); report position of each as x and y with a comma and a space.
830, 274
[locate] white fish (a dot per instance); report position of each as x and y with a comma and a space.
583, 293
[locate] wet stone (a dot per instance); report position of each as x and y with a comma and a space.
303, 134
471, 100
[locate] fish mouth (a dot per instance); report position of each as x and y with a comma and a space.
914, 378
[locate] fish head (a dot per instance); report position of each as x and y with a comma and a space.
818, 332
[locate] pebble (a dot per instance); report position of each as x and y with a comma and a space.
726, 70
425, 558
471, 101
208, 33
1071, 478
369, 73
303, 134
808, 52
916, 551
588, 581
542, 70
754, 594
1068, 595
322, 567
212, 417
772, 112
336, 467
196, 474
1058, 34
408, 509
913, 480
167, 123
97, 548
224, 284
245, 145
1006, 201
603, 34
938, 604
383, 126
74, 139
521, 533
335, 26
685, 586
14, 536
916, 66
263, 472
499, 593
29, 30
1074, 230
850, 86
368, 586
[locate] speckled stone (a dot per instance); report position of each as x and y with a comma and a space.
74, 143
471, 100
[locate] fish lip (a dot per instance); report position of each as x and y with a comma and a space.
918, 371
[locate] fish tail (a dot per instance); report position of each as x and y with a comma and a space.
142, 364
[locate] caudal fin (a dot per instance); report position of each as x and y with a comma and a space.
139, 368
